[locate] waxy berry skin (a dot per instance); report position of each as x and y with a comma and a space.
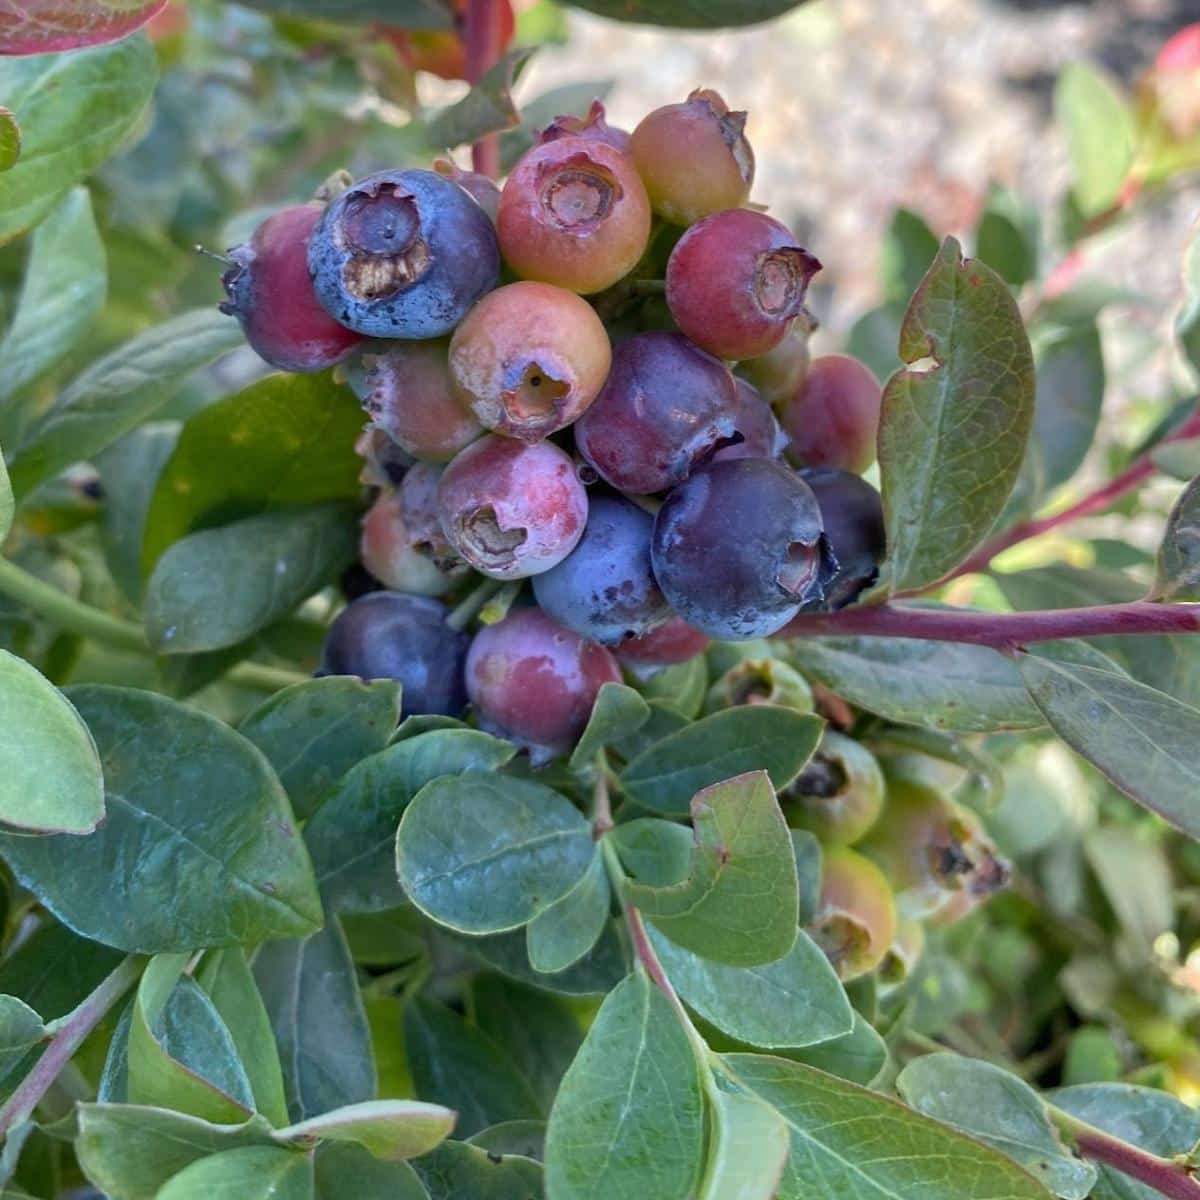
852, 512
666, 407
605, 588
594, 126
272, 296
512, 510
529, 358
738, 549
760, 433
410, 395
736, 281
833, 419
390, 635
694, 158
675, 641
574, 212
396, 555
535, 682
403, 254
482, 188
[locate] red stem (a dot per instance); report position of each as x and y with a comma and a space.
1002, 631
1103, 498
1172, 1179
484, 37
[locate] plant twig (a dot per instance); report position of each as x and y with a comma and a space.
468, 608
69, 1034
484, 42
1169, 1177
1001, 631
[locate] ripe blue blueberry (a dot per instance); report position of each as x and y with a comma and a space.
738, 549
852, 513
605, 589
403, 254
390, 635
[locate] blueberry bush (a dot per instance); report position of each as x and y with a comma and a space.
486, 715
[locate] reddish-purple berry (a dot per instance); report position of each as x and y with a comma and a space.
396, 554
675, 641
594, 126
512, 510
833, 419
761, 436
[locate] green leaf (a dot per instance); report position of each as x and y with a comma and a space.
458, 1065
130, 1152
749, 1150
858, 1056
1007, 237
1154, 1120
1144, 741
10, 140
314, 732
181, 1055
619, 712
389, 1129
847, 1141
758, 737
628, 1121
1187, 323
455, 1171
1100, 135
288, 439
740, 901
311, 994
6, 500
563, 933
373, 1180
119, 392
689, 14
252, 1173
66, 278
76, 109
873, 338
568, 99
403, 14
657, 853
1178, 576
942, 685
483, 854
908, 248
229, 983
55, 970
681, 687
1002, 1111
21, 1030
807, 851
216, 588
199, 847
1135, 876
1179, 458
487, 108
536, 1030
793, 1002
952, 434
50, 774
352, 837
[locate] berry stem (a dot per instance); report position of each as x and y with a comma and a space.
1171, 1178
484, 39
468, 608
67, 1036
1001, 631
1104, 497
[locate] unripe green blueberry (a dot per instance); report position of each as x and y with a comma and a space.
932, 849
529, 359
855, 923
903, 954
694, 158
779, 373
760, 681
839, 794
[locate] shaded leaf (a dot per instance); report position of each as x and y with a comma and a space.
313, 732
999, 1109
563, 933
908, 248
50, 773
1144, 741
942, 685
1135, 875
288, 439
740, 900
311, 994
455, 1064
66, 278
1100, 135
1007, 237
793, 1002
456, 1170
215, 588
403, 14
858, 1056
749, 1149
681, 687
251, 1173
389, 1129
1178, 576
21, 1030
42, 26
76, 109
952, 435
758, 737
619, 712
483, 854
689, 14
10, 139
628, 1121
487, 108
199, 847
373, 1180
55, 970
118, 392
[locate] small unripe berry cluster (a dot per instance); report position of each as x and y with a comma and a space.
661, 477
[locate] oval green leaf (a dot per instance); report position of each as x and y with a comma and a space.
690, 14
749, 1149
252, 1173
390, 1129
1179, 556
563, 933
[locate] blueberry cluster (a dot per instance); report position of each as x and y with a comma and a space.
596, 378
